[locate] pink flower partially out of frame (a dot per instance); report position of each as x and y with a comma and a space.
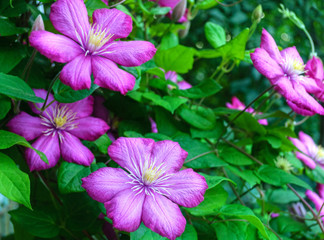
317, 199
310, 153
90, 48
57, 131
237, 104
173, 77
286, 70
150, 188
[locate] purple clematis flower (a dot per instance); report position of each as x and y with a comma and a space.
57, 131
150, 188
317, 199
237, 104
286, 71
173, 77
91, 48
310, 154
314, 69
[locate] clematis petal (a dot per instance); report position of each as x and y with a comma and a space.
318, 202
306, 100
41, 93
27, 126
99, 110
306, 160
298, 144
56, 47
82, 108
269, 45
172, 76
163, 216
125, 210
311, 85
116, 22
131, 153
184, 85
89, 128
49, 145
291, 53
286, 89
71, 19
299, 110
186, 188
170, 154
168, 3
263, 122
309, 143
314, 68
103, 184
74, 151
265, 64
108, 75
320, 189
130, 54
77, 73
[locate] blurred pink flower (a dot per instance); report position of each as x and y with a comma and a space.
237, 104
286, 71
153, 125
310, 153
105, 1
318, 200
57, 131
172, 4
173, 77
314, 69
150, 189
91, 48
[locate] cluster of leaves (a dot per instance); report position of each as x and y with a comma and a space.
234, 153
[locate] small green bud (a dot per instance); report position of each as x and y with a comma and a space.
257, 14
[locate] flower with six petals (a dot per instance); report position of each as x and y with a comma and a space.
150, 188
286, 71
57, 131
90, 48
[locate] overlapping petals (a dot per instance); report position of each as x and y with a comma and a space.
150, 189
91, 48
57, 131
286, 71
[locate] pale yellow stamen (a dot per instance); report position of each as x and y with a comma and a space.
151, 174
284, 164
98, 37
60, 121
320, 152
299, 66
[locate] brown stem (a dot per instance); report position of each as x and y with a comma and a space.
233, 188
200, 155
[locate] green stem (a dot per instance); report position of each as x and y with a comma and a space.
49, 90
313, 53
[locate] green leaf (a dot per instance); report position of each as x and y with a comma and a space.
93, 5
8, 139
317, 174
204, 89
5, 105
202, 154
199, 117
215, 34
144, 233
214, 199
160, 10
206, 4
14, 184
167, 102
247, 175
281, 196
10, 56
230, 230
36, 222
103, 143
170, 40
69, 177
179, 59
288, 225
65, 94
214, 133
266, 174
14, 87
246, 213
233, 156
7, 28
213, 181
248, 122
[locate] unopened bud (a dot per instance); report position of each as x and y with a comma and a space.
257, 14
179, 10
184, 32
314, 68
38, 24
284, 164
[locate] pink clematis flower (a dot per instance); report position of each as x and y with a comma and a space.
172, 76
314, 69
57, 131
91, 48
310, 154
286, 71
150, 189
237, 104
317, 199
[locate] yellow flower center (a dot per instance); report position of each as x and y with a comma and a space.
60, 121
299, 66
320, 152
151, 174
284, 164
98, 37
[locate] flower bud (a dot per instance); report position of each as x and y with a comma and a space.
38, 24
179, 10
283, 164
184, 32
314, 68
257, 14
